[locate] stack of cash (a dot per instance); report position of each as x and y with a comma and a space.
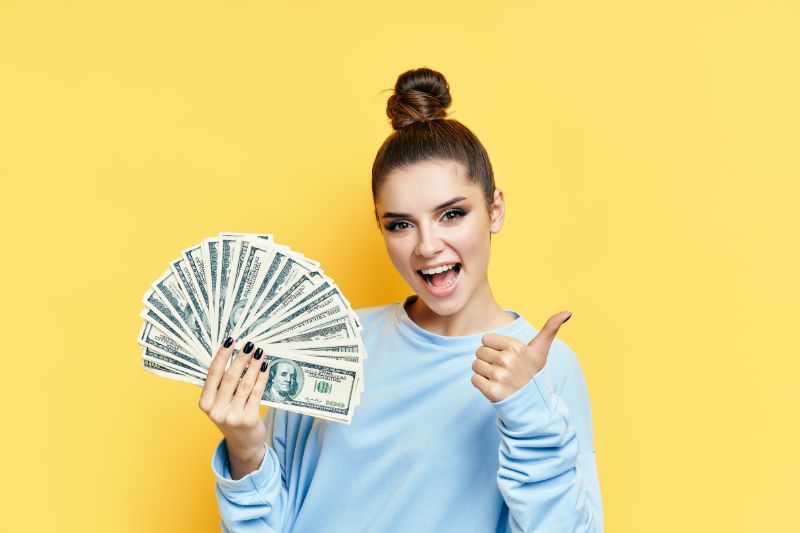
247, 287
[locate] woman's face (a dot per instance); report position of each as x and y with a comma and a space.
436, 228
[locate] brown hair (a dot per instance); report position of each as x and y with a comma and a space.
417, 110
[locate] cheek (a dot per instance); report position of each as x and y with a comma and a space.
399, 250
472, 244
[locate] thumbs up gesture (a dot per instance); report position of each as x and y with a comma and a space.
503, 365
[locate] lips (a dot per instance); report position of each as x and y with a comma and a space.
440, 280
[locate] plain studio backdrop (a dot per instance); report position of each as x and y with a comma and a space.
649, 156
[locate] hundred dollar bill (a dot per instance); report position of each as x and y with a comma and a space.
228, 251
170, 291
300, 384
224, 273
271, 312
239, 269
311, 316
166, 372
155, 303
339, 328
255, 267
285, 279
183, 276
197, 267
309, 307
320, 348
277, 263
156, 320
263, 236
172, 365
161, 342
210, 251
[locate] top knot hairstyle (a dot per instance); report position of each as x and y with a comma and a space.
418, 111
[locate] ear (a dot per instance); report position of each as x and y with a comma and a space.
497, 211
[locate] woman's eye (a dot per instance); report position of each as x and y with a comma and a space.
453, 214
396, 226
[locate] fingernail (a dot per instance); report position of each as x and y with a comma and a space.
228, 342
570, 316
248, 347
264, 366
258, 354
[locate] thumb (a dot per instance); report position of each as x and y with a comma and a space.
547, 334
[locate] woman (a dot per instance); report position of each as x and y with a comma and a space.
471, 420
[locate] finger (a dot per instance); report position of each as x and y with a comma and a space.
482, 384
261, 385
245, 386
483, 368
215, 372
496, 341
234, 374
490, 355
545, 337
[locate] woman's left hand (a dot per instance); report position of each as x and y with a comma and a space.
503, 365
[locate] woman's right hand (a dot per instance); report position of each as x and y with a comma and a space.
231, 401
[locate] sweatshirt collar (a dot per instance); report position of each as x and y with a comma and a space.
414, 332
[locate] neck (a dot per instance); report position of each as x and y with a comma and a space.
481, 313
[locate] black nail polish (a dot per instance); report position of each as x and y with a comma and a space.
228, 342
258, 354
248, 347
264, 366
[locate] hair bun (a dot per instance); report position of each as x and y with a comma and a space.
419, 95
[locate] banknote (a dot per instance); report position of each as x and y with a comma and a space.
299, 384
247, 286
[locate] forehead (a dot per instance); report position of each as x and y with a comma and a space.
283, 367
424, 185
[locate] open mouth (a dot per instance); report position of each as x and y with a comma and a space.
442, 276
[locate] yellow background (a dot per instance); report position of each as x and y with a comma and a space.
648, 151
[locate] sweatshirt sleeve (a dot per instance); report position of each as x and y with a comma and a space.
256, 501
548, 473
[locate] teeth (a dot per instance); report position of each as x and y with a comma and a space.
437, 270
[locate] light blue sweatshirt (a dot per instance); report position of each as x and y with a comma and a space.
426, 451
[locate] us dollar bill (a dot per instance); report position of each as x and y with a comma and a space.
196, 264
336, 329
255, 267
172, 365
210, 251
228, 250
161, 342
328, 299
170, 291
314, 320
300, 384
183, 276
166, 372
155, 304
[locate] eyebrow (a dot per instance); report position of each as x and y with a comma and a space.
448, 203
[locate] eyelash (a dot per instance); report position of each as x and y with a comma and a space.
395, 226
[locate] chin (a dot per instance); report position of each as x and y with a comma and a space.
442, 307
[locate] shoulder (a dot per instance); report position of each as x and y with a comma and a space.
371, 316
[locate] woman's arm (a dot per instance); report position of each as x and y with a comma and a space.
548, 473
250, 486
256, 501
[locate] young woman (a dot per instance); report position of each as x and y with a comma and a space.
471, 421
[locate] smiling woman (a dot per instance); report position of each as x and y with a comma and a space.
437, 237
473, 420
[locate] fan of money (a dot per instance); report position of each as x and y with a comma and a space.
248, 287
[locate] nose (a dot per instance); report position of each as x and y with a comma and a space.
429, 243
